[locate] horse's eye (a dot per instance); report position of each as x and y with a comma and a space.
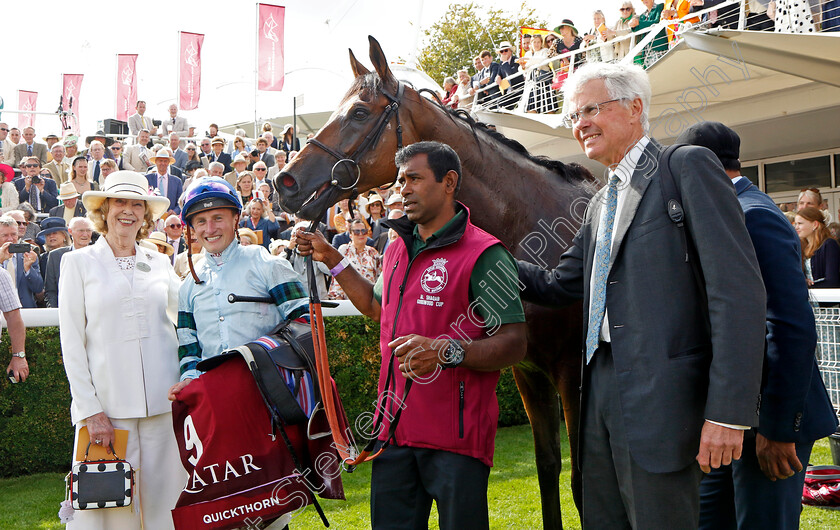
360, 114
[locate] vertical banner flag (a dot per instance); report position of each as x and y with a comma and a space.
26, 101
71, 86
190, 75
270, 47
126, 86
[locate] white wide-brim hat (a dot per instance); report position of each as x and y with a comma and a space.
126, 185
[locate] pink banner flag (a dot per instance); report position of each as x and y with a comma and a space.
126, 86
190, 77
270, 48
71, 86
26, 101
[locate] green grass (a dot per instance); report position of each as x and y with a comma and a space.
32, 501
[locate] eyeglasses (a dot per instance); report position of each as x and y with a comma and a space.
588, 112
190, 148
31, 165
116, 148
173, 225
21, 223
260, 169
505, 51
626, 9
5, 130
359, 231
815, 190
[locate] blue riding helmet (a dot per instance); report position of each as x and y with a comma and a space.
209, 193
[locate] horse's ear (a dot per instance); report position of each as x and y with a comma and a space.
380, 63
357, 67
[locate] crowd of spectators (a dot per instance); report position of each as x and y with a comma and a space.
501, 80
44, 214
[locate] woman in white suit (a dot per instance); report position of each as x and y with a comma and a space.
120, 350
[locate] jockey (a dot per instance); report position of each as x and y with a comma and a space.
207, 323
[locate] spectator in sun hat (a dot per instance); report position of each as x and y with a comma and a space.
507, 68
247, 237
394, 202
70, 206
217, 154
53, 235
569, 40
240, 165
158, 239
71, 146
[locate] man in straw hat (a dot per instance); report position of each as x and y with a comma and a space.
158, 239
70, 206
240, 164
217, 154
165, 178
507, 68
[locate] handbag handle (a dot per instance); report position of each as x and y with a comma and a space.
87, 450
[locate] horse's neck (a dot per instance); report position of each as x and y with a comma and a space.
505, 191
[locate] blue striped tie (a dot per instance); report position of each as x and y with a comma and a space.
598, 298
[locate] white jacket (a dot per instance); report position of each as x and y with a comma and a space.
118, 340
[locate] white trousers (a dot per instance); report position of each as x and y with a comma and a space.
159, 478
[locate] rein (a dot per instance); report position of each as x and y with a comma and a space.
346, 447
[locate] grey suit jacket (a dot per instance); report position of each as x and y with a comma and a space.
39, 150
181, 126
135, 123
52, 273
269, 159
180, 157
682, 352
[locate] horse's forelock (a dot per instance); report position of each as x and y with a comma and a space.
365, 87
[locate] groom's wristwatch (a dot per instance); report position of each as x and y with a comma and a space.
454, 354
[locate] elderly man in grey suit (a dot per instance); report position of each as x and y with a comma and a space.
176, 124
29, 147
675, 313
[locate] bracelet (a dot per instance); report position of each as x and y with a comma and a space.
343, 264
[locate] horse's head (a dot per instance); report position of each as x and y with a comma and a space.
355, 150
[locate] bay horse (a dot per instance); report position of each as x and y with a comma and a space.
533, 205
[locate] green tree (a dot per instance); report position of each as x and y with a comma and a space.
466, 29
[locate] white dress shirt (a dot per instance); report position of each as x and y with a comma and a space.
624, 171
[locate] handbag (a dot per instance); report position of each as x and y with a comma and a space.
94, 484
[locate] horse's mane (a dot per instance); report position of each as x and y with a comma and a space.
372, 84
580, 174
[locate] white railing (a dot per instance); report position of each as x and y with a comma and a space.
44, 318
731, 14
